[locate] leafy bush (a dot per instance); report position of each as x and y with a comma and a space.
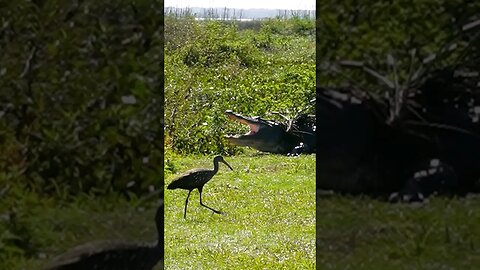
81, 95
407, 30
212, 66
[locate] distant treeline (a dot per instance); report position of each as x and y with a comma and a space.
237, 14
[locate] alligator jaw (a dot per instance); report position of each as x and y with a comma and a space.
264, 135
254, 127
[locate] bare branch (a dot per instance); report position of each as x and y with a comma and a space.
28, 64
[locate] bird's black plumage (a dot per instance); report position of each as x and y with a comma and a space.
114, 255
196, 179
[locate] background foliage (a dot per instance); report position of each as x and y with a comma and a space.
370, 31
81, 93
248, 67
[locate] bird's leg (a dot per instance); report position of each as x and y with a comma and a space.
186, 202
201, 203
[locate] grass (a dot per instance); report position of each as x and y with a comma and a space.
55, 227
360, 233
269, 223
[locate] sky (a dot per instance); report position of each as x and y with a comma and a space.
244, 4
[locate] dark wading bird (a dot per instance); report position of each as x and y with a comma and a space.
196, 179
113, 255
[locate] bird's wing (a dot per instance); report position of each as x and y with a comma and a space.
189, 173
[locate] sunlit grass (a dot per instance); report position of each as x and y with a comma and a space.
269, 223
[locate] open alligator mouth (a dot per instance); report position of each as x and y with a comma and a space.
252, 123
265, 135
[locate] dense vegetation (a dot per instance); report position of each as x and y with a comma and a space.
248, 67
380, 33
80, 111
81, 94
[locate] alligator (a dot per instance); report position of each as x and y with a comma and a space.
404, 141
295, 137
432, 146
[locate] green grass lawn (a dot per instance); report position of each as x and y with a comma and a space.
269, 223
360, 233
53, 228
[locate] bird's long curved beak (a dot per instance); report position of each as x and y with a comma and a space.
227, 165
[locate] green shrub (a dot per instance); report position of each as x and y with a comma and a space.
221, 66
371, 31
81, 94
